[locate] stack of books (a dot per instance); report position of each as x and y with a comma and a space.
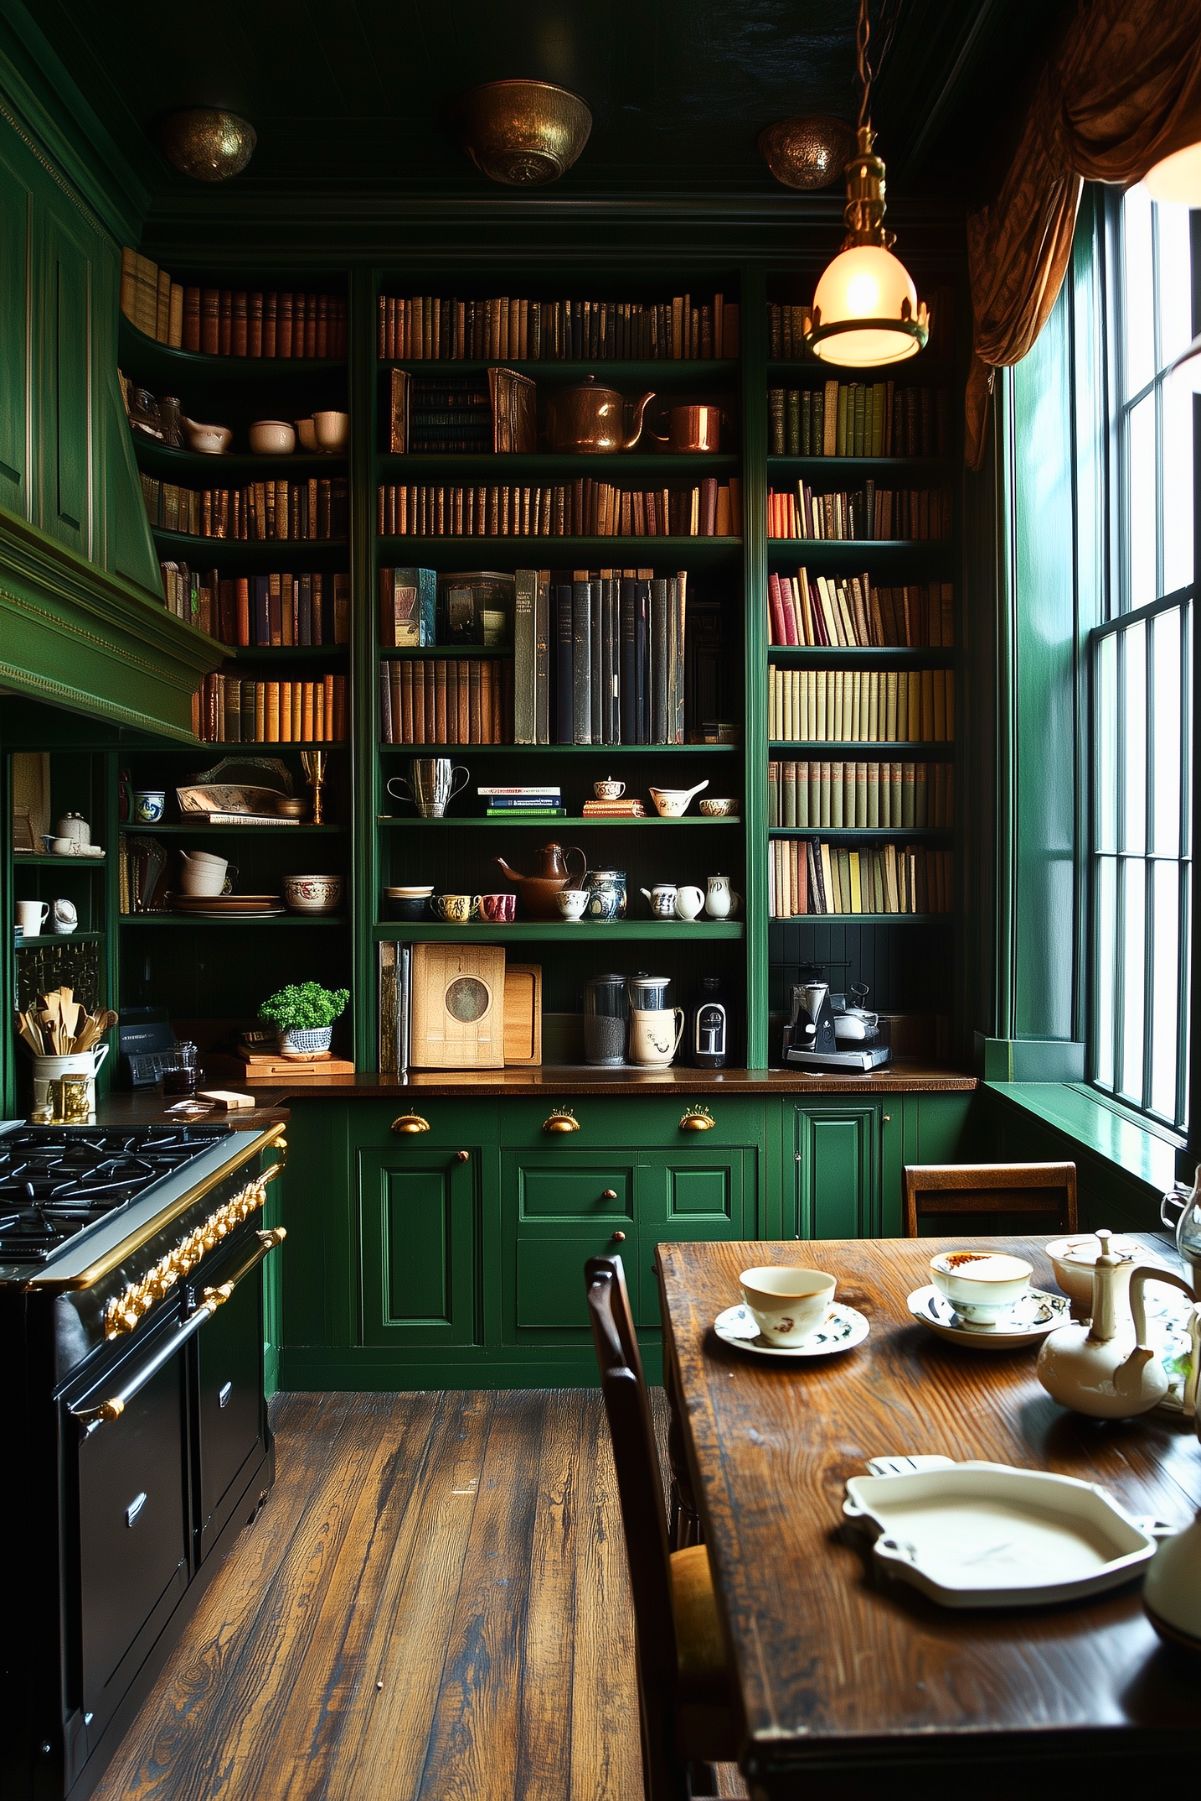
613, 809
542, 800
229, 321
868, 513
852, 610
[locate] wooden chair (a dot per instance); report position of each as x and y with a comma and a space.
686, 1704
956, 1191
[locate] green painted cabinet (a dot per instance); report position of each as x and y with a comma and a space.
417, 1223
18, 178
67, 435
837, 1156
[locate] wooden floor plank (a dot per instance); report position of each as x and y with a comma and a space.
462, 1550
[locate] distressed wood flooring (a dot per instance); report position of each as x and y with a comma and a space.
432, 1606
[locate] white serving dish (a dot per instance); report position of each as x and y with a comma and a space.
1073, 1259
989, 1535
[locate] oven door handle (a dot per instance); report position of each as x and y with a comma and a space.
91, 1418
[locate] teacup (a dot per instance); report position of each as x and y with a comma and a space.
787, 1304
202, 873
149, 805
455, 909
982, 1286
571, 902
408, 906
498, 909
608, 789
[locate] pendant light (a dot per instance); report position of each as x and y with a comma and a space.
866, 312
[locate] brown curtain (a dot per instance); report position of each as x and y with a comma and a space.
1123, 91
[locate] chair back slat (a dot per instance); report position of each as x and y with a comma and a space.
957, 1190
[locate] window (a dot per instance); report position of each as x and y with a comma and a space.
1141, 659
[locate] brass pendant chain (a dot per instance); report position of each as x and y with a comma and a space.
863, 32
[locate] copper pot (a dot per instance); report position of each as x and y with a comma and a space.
691, 428
588, 418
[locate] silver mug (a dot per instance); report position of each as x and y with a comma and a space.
431, 785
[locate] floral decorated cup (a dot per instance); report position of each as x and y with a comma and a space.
608, 789
455, 909
312, 893
571, 903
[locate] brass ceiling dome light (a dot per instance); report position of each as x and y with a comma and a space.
522, 134
866, 312
208, 143
809, 152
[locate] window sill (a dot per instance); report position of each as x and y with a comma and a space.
1142, 1155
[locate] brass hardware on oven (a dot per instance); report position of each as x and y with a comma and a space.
408, 1123
217, 1297
274, 1237
269, 1175
126, 1309
561, 1120
107, 1410
697, 1119
619, 1238
462, 1156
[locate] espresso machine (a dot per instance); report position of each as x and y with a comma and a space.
825, 1031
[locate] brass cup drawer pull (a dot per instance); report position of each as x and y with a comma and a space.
619, 1238
697, 1119
561, 1120
408, 1123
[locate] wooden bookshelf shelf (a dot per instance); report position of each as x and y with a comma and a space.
554, 467
440, 652
554, 821
258, 744
918, 371
193, 467
40, 939
661, 371
864, 919
234, 919
852, 550
527, 551
278, 653
278, 551
49, 860
830, 465
592, 933
878, 655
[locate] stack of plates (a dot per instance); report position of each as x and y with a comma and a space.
229, 906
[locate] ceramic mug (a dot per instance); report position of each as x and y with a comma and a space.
498, 909
787, 1305
608, 789
455, 909
32, 916
149, 804
655, 1035
202, 874
571, 903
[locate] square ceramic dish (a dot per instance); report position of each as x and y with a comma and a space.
989, 1535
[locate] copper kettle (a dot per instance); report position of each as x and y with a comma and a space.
588, 418
538, 891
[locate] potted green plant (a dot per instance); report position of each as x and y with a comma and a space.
303, 1014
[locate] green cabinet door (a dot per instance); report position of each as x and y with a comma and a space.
65, 362
837, 1157
17, 169
560, 1207
418, 1228
691, 1194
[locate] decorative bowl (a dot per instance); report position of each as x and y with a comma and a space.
808, 152
313, 893
306, 431
717, 809
332, 431
271, 437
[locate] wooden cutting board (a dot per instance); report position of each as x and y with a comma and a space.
294, 1069
523, 1013
458, 1006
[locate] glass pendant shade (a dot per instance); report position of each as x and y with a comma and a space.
866, 289
1177, 179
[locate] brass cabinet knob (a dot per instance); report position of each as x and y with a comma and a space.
609, 1194
462, 1156
561, 1120
697, 1119
409, 1123
886, 1119
619, 1238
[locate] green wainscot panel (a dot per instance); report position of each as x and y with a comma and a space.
837, 1161
68, 437
417, 1238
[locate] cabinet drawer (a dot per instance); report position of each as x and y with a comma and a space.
449, 1122
653, 1120
566, 1186
548, 1293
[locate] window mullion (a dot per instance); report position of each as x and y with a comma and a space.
1149, 841
1119, 883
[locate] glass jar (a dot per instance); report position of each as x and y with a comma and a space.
606, 1017
182, 1072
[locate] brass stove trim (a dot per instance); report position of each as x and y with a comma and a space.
130, 1246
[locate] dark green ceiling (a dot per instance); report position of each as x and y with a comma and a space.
353, 95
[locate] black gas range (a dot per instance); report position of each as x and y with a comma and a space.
131, 1337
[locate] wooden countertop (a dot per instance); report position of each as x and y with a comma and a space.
896, 1078
146, 1107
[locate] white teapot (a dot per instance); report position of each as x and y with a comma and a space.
75, 827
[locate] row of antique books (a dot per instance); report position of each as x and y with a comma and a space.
867, 512
861, 706
254, 322
807, 876
235, 710
853, 611
141, 871
584, 507
855, 418
419, 327
864, 795
262, 611
598, 657
446, 700
314, 508
787, 324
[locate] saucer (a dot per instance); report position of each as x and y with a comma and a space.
1036, 1314
841, 1329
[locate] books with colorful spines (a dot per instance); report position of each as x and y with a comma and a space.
613, 809
515, 790
550, 812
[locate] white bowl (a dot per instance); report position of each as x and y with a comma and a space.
788, 1304
981, 1286
312, 893
272, 437
417, 891
713, 808
1073, 1258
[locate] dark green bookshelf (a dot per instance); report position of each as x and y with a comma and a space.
591, 932
554, 467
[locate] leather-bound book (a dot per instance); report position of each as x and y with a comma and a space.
240, 337
210, 321
225, 322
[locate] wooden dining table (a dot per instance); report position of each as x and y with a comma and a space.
852, 1679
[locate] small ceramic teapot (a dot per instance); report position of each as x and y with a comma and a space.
75, 827
1105, 1367
538, 891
